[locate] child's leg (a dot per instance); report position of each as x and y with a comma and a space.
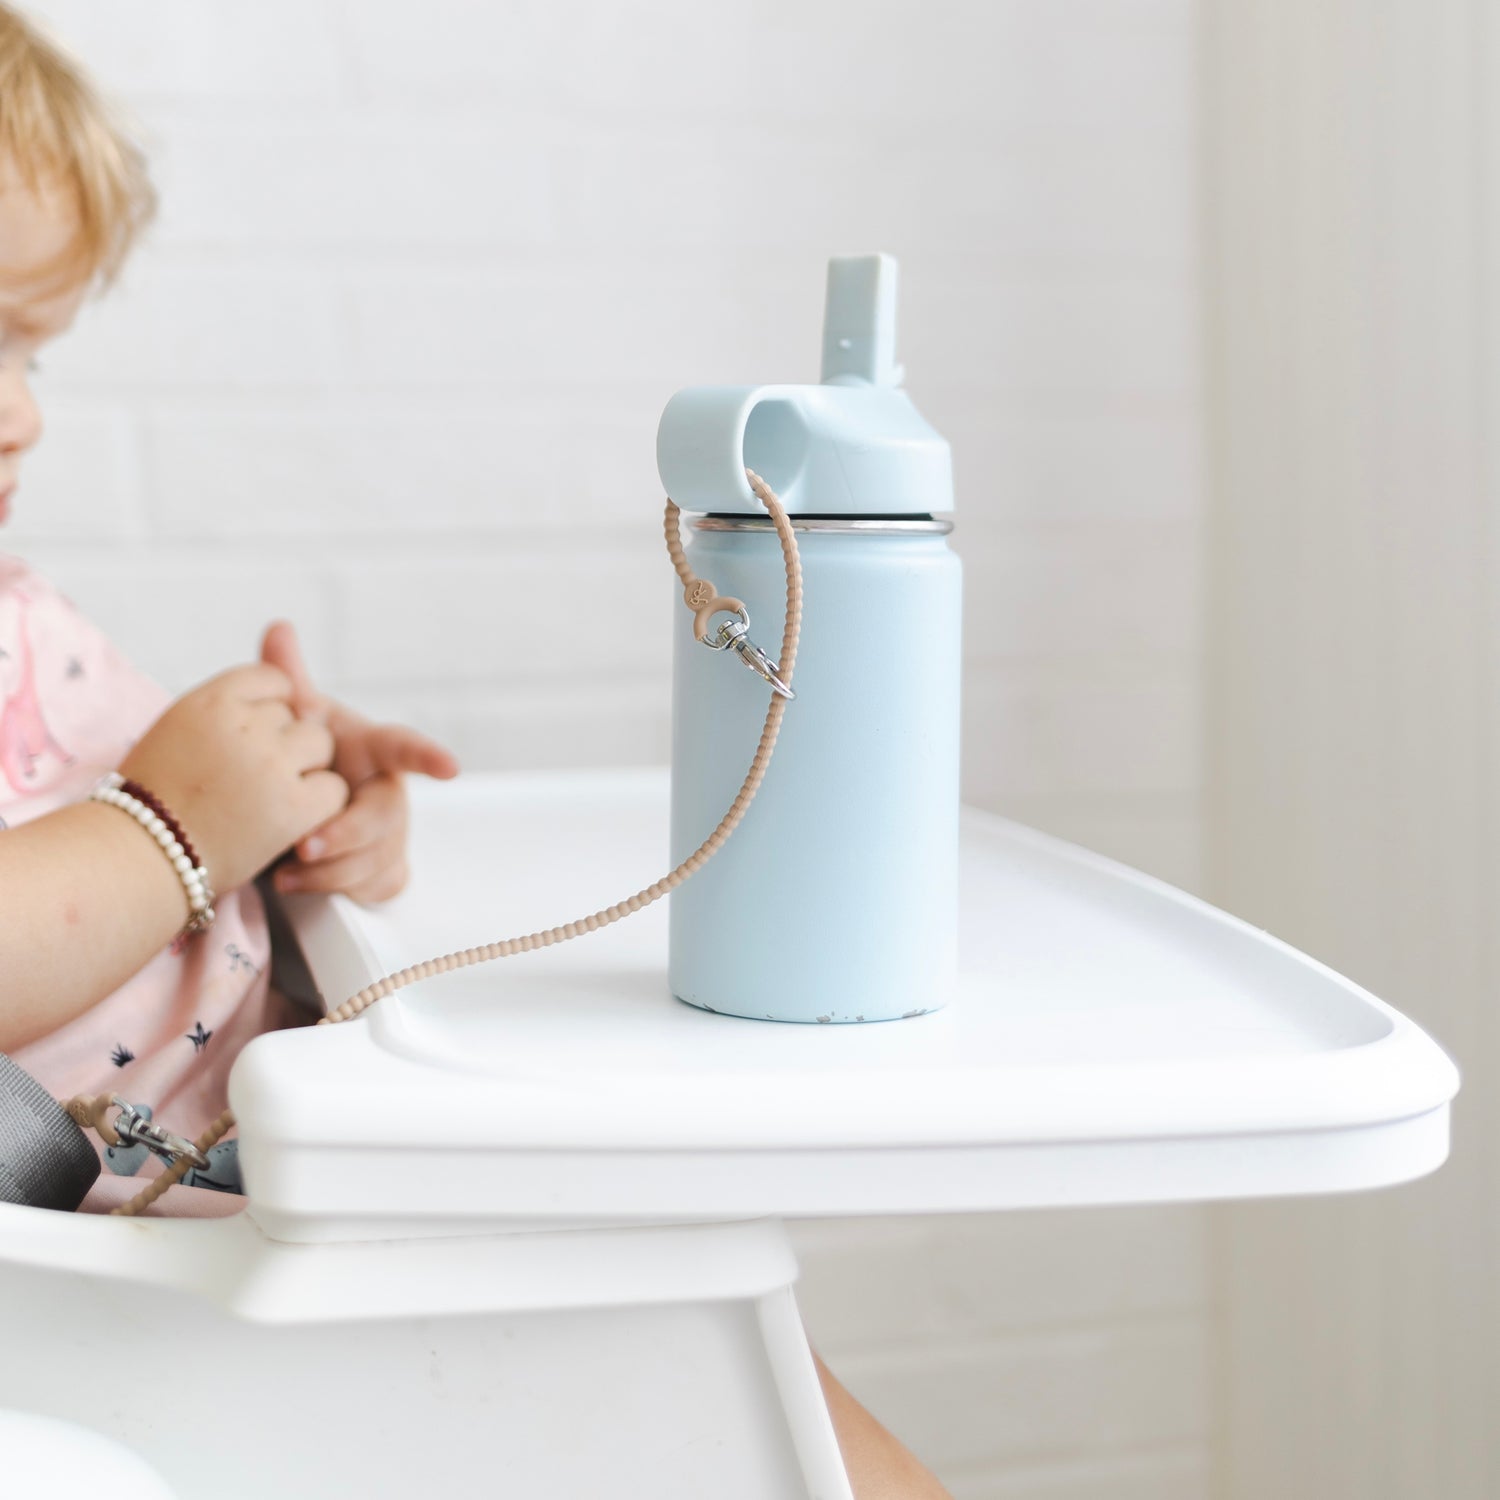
880, 1467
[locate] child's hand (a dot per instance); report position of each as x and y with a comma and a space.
244, 776
361, 851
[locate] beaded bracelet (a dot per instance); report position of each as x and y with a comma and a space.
136, 790
147, 810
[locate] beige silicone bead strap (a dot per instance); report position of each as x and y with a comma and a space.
705, 601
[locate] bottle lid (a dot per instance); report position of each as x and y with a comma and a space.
853, 445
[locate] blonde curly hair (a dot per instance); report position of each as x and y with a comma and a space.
58, 134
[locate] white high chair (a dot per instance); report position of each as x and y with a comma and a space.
524, 1221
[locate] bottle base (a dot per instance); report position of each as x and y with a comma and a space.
828, 1018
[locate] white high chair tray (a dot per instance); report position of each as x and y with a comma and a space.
1114, 1040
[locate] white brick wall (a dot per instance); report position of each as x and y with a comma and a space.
393, 358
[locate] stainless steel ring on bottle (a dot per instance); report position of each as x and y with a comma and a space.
734, 633
136, 1129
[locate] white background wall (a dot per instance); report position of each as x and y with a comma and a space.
1355, 698
392, 362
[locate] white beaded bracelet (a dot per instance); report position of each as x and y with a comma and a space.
194, 878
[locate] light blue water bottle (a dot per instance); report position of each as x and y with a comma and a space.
836, 898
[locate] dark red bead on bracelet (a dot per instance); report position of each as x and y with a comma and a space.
136, 790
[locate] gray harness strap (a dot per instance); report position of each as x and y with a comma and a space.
46, 1161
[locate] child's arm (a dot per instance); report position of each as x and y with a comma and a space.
88, 900
86, 897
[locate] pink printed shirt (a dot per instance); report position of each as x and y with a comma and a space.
71, 707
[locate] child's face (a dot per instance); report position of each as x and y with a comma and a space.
36, 228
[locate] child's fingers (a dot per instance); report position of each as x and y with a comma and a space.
376, 813
280, 648
395, 748
309, 743
326, 793
373, 873
387, 882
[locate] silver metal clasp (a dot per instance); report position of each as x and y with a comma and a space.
134, 1129
734, 633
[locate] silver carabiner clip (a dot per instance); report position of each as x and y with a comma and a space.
135, 1129
734, 634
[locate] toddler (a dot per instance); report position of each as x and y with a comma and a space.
113, 983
